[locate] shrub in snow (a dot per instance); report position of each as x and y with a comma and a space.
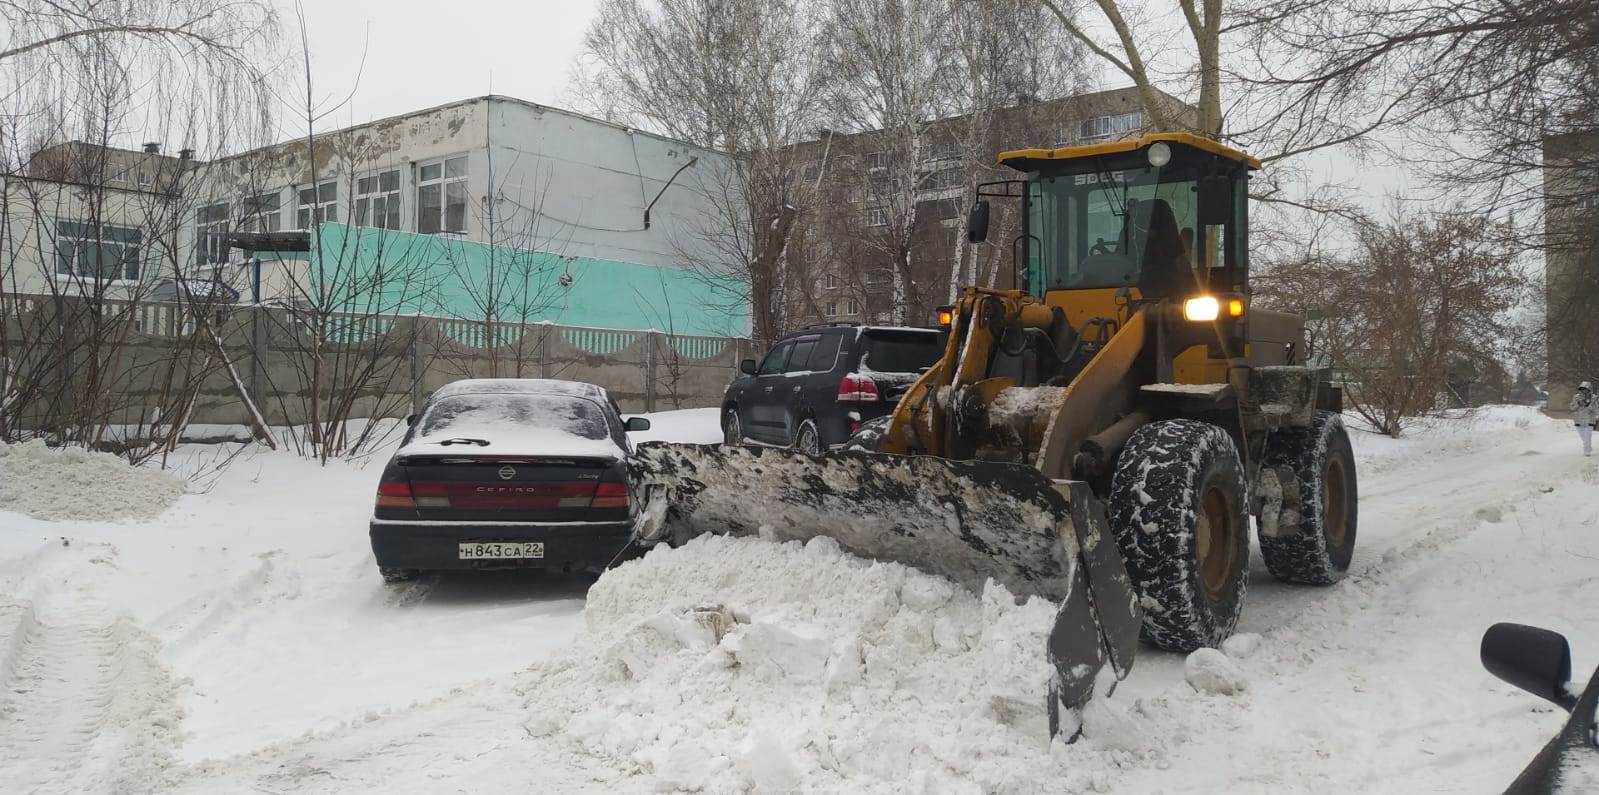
1209, 671
73, 483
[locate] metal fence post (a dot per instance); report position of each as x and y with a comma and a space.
651, 339
545, 330
418, 364
260, 348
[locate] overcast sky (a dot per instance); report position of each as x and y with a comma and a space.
421, 53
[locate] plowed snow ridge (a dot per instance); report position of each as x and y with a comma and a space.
85, 706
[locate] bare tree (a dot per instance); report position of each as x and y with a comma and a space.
738, 76
1421, 298
94, 231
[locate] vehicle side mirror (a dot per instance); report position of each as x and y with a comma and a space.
1215, 200
1531, 658
747, 367
638, 424
977, 222
410, 419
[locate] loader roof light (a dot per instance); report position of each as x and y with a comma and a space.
1235, 307
1159, 154
946, 317
1205, 307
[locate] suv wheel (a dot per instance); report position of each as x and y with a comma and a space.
808, 439
732, 431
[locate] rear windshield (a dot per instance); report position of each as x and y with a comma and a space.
474, 415
900, 351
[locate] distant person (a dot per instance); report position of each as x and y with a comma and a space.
1582, 413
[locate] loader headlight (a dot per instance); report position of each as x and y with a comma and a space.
1205, 307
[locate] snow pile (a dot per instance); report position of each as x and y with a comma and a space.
736, 663
1209, 671
73, 483
1448, 435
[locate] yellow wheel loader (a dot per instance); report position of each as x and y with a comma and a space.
1099, 435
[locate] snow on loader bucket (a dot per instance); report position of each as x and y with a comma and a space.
968, 521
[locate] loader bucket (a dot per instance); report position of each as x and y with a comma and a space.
969, 521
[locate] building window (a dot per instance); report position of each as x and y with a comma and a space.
97, 251
876, 161
849, 306
377, 200
211, 234
943, 179
944, 150
261, 213
832, 308
1108, 126
119, 176
830, 280
876, 216
146, 179
318, 205
441, 196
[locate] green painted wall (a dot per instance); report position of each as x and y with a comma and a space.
403, 273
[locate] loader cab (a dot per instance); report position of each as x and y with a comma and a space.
1164, 216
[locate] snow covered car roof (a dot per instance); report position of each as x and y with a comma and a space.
500, 386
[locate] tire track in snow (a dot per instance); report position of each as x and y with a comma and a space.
85, 705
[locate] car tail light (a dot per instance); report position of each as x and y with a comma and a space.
856, 388
610, 495
395, 494
431, 495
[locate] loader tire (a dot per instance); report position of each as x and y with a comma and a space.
1315, 546
1179, 509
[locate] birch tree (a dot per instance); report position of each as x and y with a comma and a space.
739, 76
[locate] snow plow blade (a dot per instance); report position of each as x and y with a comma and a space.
968, 521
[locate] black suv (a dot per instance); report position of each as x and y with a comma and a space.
816, 387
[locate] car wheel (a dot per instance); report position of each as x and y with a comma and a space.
808, 439
732, 430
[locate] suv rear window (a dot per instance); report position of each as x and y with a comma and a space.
899, 351
476, 415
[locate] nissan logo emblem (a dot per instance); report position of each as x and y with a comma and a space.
506, 473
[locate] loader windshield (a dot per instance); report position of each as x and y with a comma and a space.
1107, 224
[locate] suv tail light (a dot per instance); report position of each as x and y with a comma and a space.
856, 388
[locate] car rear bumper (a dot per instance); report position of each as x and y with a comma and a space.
435, 545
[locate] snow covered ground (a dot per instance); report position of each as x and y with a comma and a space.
241, 640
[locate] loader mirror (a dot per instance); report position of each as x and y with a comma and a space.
1533, 659
747, 367
977, 222
1215, 200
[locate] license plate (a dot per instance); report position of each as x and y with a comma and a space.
501, 550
